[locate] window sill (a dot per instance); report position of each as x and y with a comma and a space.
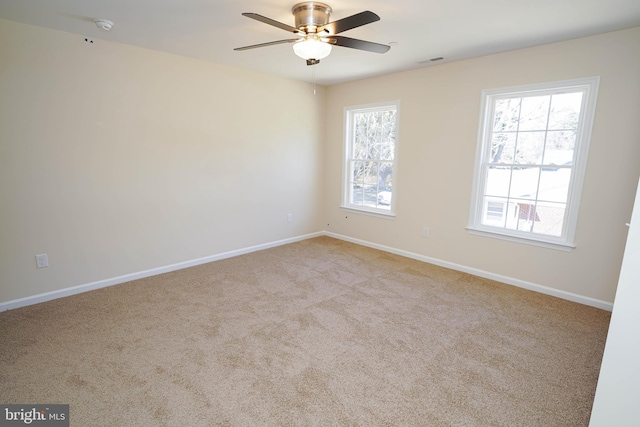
566, 247
379, 214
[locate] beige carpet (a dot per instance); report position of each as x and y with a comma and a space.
316, 333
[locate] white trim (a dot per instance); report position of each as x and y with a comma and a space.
370, 212
528, 240
604, 305
590, 86
48, 296
508, 91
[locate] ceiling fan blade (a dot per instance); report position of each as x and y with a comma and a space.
254, 46
358, 44
271, 22
353, 21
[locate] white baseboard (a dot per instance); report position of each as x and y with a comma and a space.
480, 273
48, 296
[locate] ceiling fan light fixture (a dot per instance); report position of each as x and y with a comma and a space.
312, 48
316, 35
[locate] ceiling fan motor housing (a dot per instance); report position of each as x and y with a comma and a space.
311, 14
316, 35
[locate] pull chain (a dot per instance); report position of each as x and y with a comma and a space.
313, 76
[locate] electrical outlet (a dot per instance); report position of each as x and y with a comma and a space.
425, 232
42, 261
289, 217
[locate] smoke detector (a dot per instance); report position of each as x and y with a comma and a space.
104, 24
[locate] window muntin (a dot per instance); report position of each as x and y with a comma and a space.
531, 157
370, 158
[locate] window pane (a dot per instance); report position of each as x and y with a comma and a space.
364, 134
561, 140
371, 184
494, 212
357, 184
388, 136
534, 113
521, 215
384, 199
385, 174
559, 150
554, 185
524, 183
529, 148
565, 110
370, 196
373, 149
358, 172
498, 180
387, 149
370, 173
550, 218
358, 148
503, 146
506, 115
357, 194
374, 135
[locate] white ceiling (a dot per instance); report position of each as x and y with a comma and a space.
417, 29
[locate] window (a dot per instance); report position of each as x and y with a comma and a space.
371, 138
530, 163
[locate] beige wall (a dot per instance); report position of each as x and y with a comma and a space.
439, 114
115, 159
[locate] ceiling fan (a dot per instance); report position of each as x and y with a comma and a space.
316, 35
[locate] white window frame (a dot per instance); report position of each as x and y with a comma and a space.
565, 241
349, 112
